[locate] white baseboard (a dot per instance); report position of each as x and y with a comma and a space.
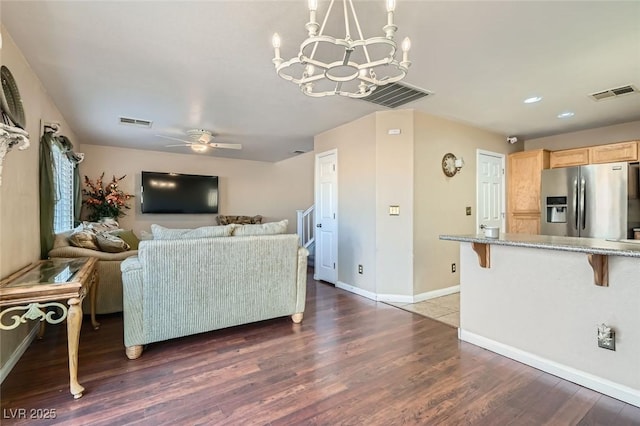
436, 293
17, 353
356, 290
598, 384
398, 298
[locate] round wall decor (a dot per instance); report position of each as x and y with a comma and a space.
10, 100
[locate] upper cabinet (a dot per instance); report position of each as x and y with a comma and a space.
524, 172
624, 151
569, 157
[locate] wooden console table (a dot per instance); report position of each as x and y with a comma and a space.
42, 285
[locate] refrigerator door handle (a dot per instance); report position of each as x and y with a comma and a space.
583, 211
575, 203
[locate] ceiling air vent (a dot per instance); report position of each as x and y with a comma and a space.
396, 94
298, 152
135, 122
612, 93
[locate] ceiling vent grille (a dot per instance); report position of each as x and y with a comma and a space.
394, 95
135, 122
612, 93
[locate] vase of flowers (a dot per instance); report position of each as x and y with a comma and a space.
105, 201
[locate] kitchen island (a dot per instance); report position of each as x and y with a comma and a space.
540, 299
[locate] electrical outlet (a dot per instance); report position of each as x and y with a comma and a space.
468, 210
453, 268
606, 337
360, 269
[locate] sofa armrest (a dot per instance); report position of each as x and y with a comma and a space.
301, 284
132, 301
71, 251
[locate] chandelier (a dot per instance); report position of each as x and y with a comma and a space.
328, 66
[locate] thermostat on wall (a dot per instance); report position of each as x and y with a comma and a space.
394, 131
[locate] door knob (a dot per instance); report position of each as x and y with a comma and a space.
319, 225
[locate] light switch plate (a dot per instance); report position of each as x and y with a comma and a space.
394, 210
468, 210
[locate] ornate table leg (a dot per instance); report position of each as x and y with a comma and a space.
92, 295
74, 323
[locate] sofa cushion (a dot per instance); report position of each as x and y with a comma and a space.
110, 243
270, 228
128, 236
162, 233
240, 220
85, 239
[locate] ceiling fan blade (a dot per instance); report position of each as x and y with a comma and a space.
225, 145
184, 144
173, 139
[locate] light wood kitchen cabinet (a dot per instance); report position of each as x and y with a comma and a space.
523, 194
623, 151
569, 157
524, 224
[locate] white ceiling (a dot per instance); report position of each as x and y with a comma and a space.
207, 64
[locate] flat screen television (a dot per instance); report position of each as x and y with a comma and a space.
178, 193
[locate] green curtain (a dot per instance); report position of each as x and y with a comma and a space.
47, 195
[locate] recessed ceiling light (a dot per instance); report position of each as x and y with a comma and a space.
533, 100
566, 114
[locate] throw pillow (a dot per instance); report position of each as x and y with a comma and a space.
104, 225
240, 220
162, 233
84, 239
110, 243
128, 236
145, 235
270, 228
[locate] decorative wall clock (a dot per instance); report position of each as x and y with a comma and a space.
449, 164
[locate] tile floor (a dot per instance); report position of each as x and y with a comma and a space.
445, 309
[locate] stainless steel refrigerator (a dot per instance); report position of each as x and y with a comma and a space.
597, 201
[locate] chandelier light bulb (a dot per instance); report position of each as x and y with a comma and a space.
276, 41
406, 44
391, 5
310, 70
313, 5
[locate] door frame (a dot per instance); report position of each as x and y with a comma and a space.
503, 202
316, 191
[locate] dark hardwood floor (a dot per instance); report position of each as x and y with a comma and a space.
352, 361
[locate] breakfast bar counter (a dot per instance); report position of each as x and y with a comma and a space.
532, 298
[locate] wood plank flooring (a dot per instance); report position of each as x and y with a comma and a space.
352, 361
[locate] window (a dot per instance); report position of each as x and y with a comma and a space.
63, 184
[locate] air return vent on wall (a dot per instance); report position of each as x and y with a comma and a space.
396, 94
612, 93
135, 122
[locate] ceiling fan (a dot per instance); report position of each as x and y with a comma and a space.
201, 141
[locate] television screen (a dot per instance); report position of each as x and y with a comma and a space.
178, 193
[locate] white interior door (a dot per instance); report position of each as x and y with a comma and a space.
490, 190
326, 201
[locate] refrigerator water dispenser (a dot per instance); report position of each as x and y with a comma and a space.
557, 209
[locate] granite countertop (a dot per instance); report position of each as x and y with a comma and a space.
573, 244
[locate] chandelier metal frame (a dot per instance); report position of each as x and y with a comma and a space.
345, 69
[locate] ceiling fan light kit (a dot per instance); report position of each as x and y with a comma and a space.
201, 141
352, 75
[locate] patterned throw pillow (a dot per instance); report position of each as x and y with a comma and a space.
270, 228
128, 236
84, 239
162, 233
110, 243
103, 225
240, 220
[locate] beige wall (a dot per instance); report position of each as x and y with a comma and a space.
394, 186
599, 136
273, 190
19, 206
440, 201
355, 143
402, 255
